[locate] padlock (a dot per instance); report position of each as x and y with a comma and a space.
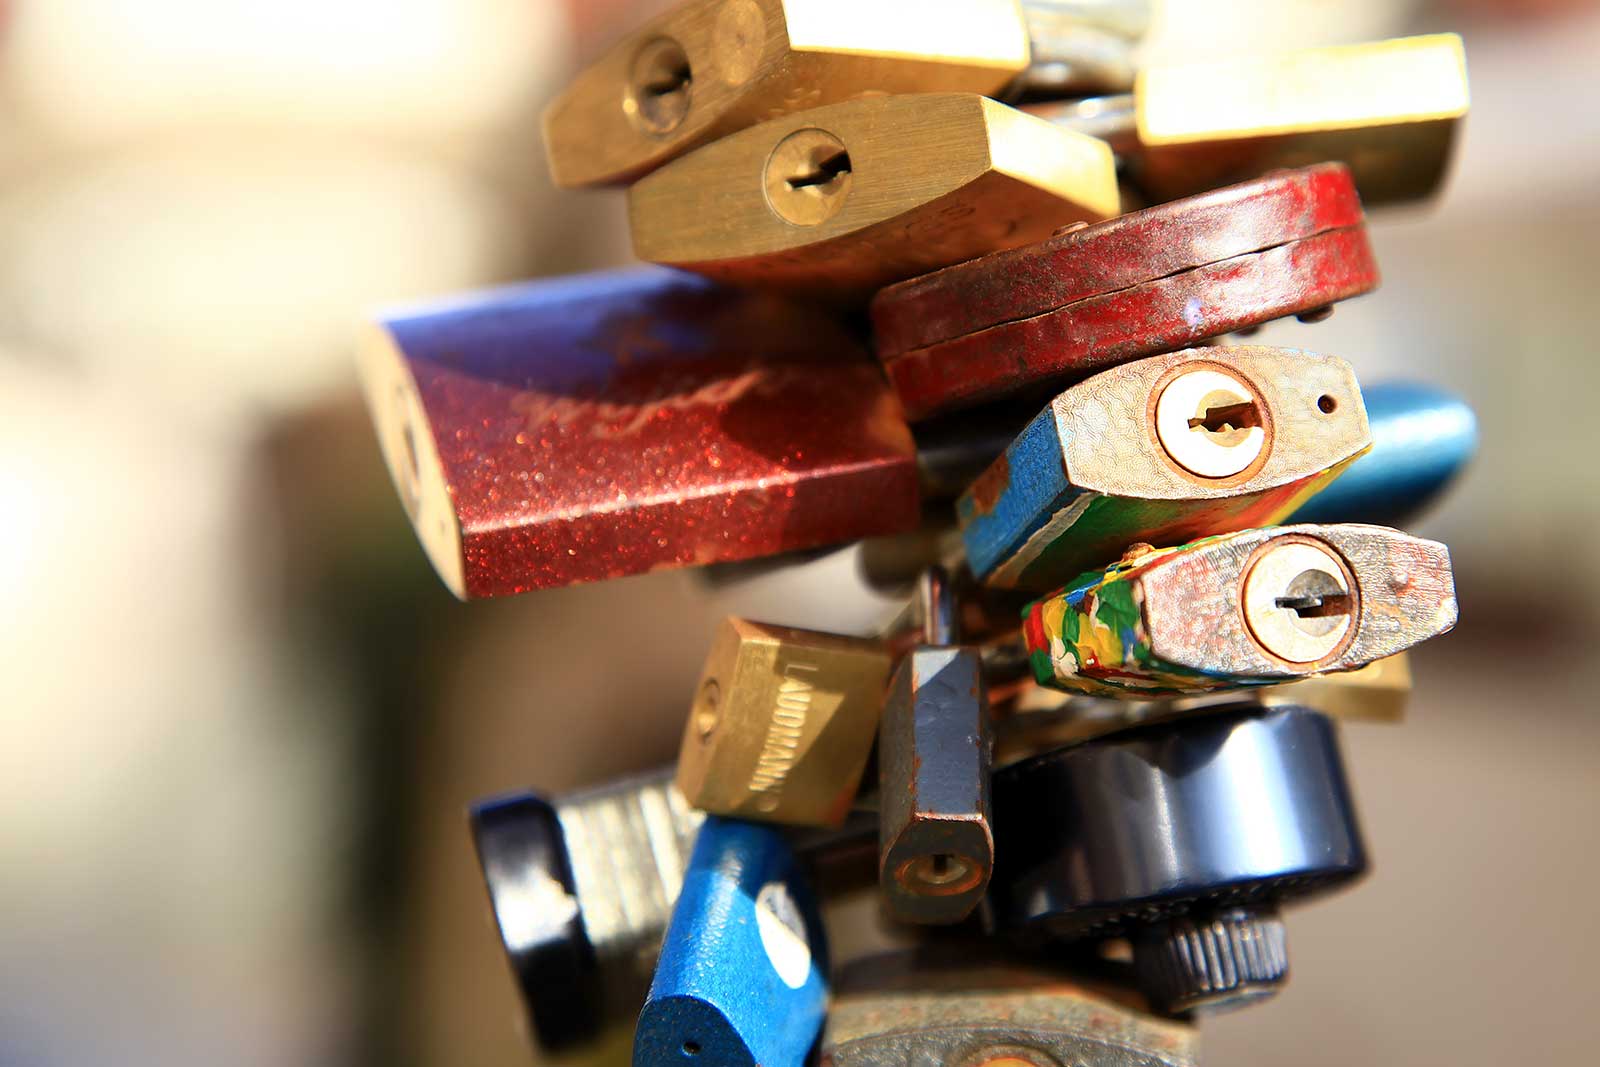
782, 723
1243, 609
608, 424
1292, 243
1162, 450
742, 978
983, 1009
1186, 838
840, 200
934, 760
1082, 46
1422, 436
1389, 109
582, 888
709, 68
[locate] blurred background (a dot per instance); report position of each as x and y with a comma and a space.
240, 721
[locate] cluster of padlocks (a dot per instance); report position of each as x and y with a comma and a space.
1100, 730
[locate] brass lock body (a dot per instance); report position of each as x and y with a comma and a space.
1389, 109
782, 723
839, 201
707, 69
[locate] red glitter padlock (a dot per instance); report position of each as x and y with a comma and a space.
1158, 280
607, 424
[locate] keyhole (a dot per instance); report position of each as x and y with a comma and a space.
659, 86
826, 172
708, 708
808, 177
1210, 423
1318, 600
1226, 418
939, 874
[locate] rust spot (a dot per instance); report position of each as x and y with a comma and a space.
991, 484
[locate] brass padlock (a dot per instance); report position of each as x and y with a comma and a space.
841, 200
709, 68
782, 723
1388, 109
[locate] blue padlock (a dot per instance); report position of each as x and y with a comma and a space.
1421, 438
742, 978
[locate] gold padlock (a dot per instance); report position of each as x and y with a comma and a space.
1387, 109
782, 723
838, 201
1390, 109
711, 67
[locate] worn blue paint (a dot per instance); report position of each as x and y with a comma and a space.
1034, 488
1422, 436
718, 999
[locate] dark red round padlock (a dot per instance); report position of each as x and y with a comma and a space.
1158, 280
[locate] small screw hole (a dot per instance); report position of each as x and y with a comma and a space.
1327, 404
691, 1048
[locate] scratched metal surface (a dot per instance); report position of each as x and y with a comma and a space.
616, 423
1405, 594
1148, 282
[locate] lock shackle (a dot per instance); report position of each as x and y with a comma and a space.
937, 602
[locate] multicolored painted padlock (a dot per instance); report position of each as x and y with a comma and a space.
1242, 609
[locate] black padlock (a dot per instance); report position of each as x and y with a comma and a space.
1182, 837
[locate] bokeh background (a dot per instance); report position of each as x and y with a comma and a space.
240, 721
